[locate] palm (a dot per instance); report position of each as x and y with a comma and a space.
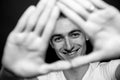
103, 28
25, 53
101, 24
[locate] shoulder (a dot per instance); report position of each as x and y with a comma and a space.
108, 70
112, 65
111, 68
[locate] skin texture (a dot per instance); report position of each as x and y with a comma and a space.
68, 39
23, 47
98, 26
23, 53
100, 21
69, 42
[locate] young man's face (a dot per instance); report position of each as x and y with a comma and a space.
68, 40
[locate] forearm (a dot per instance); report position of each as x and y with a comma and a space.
6, 75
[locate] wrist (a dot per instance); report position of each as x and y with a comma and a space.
7, 75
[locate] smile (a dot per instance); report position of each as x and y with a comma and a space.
71, 53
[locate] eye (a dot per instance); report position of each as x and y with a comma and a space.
57, 39
75, 35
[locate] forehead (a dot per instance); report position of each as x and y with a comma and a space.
64, 25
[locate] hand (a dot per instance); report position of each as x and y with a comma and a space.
101, 23
24, 53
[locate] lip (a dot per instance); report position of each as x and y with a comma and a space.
72, 53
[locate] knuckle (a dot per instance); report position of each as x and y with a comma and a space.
50, 4
32, 7
43, 3
53, 17
41, 23
31, 22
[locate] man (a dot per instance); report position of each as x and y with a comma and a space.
68, 40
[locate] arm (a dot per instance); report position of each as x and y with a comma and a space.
23, 53
101, 22
6, 75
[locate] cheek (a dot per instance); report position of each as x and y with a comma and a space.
58, 46
80, 40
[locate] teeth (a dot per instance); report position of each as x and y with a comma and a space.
71, 53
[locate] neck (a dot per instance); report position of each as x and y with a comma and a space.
76, 73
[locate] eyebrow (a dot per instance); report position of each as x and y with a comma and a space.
76, 30
55, 35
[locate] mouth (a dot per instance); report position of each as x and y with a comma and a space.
72, 53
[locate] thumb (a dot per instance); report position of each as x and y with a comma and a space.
82, 60
56, 66
76, 62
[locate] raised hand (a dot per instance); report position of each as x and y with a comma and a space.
26, 46
101, 23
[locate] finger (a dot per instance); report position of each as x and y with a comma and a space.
87, 5
82, 60
23, 20
35, 15
44, 17
56, 66
71, 15
76, 7
100, 4
51, 24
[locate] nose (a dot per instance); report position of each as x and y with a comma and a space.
68, 46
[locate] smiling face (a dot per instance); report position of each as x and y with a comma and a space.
68, 40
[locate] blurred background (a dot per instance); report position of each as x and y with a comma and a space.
11, 10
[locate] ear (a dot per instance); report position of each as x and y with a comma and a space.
51, 44
86, 37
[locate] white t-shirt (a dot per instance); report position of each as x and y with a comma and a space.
96, 71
